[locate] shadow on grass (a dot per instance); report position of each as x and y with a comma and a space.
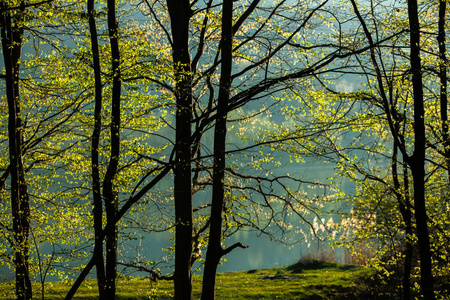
367, 287
315, 264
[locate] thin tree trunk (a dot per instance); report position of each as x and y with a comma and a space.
407, 217
180, 14
96, 186
443, 61
109, 194
402, 194
11, 35
215, 251
417, 160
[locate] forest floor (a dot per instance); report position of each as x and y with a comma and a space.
303, 280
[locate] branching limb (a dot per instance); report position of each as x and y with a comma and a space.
154, 275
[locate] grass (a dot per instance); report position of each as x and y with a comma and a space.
303, 280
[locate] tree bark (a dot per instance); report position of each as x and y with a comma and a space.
180, 14
11, 34
417, 160
443, 78
215, 251
96, 186
109, 194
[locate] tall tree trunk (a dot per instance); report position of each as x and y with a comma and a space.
443, 61
96, 186
11, 36
180, 14
215, 251
417, 160
109, 194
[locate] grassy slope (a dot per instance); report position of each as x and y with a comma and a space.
314, 280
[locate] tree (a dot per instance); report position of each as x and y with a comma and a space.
109, 192
132, 170
12, 28
417, 160
56, 135
265, 73
215, 251
180, 14
97, 202
43, 113
393, 94
220, 77
443, 78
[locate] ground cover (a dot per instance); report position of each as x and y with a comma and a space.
303, 280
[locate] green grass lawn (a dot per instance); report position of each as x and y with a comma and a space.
313, 280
